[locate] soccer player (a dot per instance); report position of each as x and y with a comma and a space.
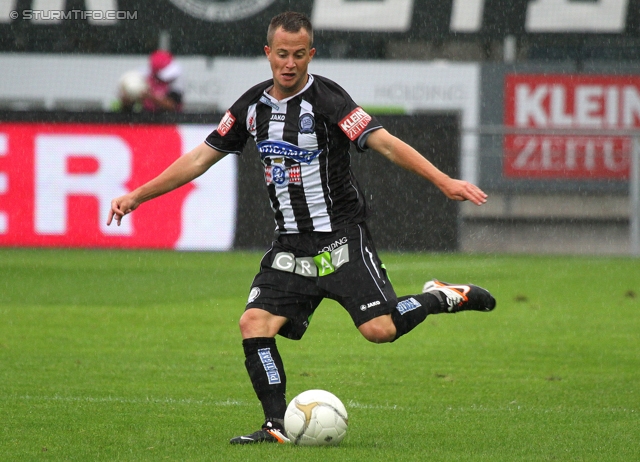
303, 125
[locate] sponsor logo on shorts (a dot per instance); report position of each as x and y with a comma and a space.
306, 123
334, 245
407, 305
226, 123
254, 294
269, 365
320, 265
369, 305
354, 124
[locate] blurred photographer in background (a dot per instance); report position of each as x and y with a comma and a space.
158, 88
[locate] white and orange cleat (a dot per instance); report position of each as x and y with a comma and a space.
264, 435
460, 297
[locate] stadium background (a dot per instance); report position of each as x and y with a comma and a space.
444, 75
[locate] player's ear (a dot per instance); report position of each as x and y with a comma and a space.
267, 51
312, 52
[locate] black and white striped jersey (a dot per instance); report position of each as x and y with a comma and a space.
304, 143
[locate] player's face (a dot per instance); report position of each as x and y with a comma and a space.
289, 56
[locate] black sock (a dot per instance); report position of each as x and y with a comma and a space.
411, 310
266, 371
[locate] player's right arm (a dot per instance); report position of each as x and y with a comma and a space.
185, 169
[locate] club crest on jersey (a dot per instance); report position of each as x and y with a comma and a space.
306, 123
270, 148
282, 176
226, 123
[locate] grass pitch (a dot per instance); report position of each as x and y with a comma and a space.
119, 355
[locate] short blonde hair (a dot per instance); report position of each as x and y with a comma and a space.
290, 21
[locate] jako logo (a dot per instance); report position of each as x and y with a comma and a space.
369, 305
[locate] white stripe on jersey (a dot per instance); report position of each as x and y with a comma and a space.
251, 120
286, 209
276, 128
275, 133
311, 179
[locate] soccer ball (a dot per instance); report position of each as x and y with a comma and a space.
133, 85
316, 418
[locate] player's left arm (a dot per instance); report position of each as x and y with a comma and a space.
400, 153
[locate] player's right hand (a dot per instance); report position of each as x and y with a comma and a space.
121, 206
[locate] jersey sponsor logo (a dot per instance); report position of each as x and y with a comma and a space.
306, 123
226, 123
269, 148
277, 117
268, 102
282, 176
273, 375
354, 124
407, 305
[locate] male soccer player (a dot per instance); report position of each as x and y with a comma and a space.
303, 126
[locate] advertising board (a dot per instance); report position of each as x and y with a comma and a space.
57, 181
579, 104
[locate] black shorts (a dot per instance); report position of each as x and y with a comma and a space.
301, 269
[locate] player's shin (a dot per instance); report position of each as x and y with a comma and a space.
266, 371
411, 310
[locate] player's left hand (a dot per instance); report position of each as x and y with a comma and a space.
460, 190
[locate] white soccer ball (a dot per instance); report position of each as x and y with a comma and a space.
316, 418
133, 85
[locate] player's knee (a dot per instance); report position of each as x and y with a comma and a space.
378, 330
250, 324
255, 322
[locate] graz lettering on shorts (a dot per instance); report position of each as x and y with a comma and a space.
269, 148
320, 265
407, 305
269, 365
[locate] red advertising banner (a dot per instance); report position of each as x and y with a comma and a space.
572, 102
57, 182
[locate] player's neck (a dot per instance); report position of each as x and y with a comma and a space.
281, 93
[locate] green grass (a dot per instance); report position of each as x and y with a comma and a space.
118, 355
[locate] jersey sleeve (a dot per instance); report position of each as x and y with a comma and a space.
357, 125
231, 133
351, 119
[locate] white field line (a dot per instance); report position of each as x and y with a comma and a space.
182, 401
350, 404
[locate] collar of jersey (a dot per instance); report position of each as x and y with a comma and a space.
309, 82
